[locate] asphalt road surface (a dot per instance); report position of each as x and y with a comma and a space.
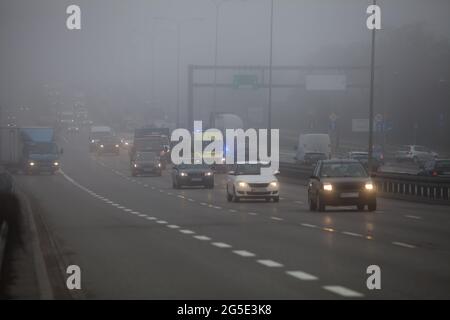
139, 238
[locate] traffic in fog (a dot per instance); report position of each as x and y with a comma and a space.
225, 149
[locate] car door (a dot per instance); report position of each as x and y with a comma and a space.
313, 183
231, 177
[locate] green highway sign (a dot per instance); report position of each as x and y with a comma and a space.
245, 80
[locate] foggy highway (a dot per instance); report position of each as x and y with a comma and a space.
139, 238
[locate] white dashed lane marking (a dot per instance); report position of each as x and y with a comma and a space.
301, 275
413, 217
244, 253
402, 244
187, 231
276, 218
203, 238
270, 263
353, 234
172, 226
161, 221
221, 245
343, 291
309, 225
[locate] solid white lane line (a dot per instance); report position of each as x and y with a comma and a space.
270, 263
343, 291
203, 238
402, 244
221, 245
413, 217
301, 275
309, 225
187, 231
172, 226
276, 218
353, 234
244, 253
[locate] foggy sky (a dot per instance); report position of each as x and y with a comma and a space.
120, 44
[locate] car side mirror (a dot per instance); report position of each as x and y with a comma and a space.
276, 173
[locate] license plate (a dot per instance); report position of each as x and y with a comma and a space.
196, 179
350, 195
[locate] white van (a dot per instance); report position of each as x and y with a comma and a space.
312, 147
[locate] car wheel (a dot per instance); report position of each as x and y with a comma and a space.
372, 206
360, 207
312, 204
320, 205
276, 199
235, 197
229, 196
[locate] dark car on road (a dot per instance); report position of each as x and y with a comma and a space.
436, 168
192, 175
341, 183
363, 157
146, 163
108, 145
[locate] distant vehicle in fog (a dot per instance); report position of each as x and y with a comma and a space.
31, 149
73, 129
363, 157
195, 174
95, 134
415, 153
146, 163
312, 146
311, 158
436, 168
108, 144
149, 139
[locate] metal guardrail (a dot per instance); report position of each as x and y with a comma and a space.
3, 238
401, 186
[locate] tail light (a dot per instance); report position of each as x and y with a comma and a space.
434, 173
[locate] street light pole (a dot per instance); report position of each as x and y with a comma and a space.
216, 53
371, 103
269, 108
178, 71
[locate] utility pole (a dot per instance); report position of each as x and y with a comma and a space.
371, 103
269, 108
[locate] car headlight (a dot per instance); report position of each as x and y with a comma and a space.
101, 146
135, 165
117, 145
274, 184
209, 173
183, 174
31, 163
56, 163
243, 184
92, 141
223, 160
159, 164
126, 143
327, 187
369, 186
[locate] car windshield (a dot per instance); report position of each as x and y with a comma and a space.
146, 156
194, 166
443, 165
44, 148
336, 170
248, 169
360, 156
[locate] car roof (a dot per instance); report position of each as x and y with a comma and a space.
338, 161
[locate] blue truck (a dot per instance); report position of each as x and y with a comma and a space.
29, 149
